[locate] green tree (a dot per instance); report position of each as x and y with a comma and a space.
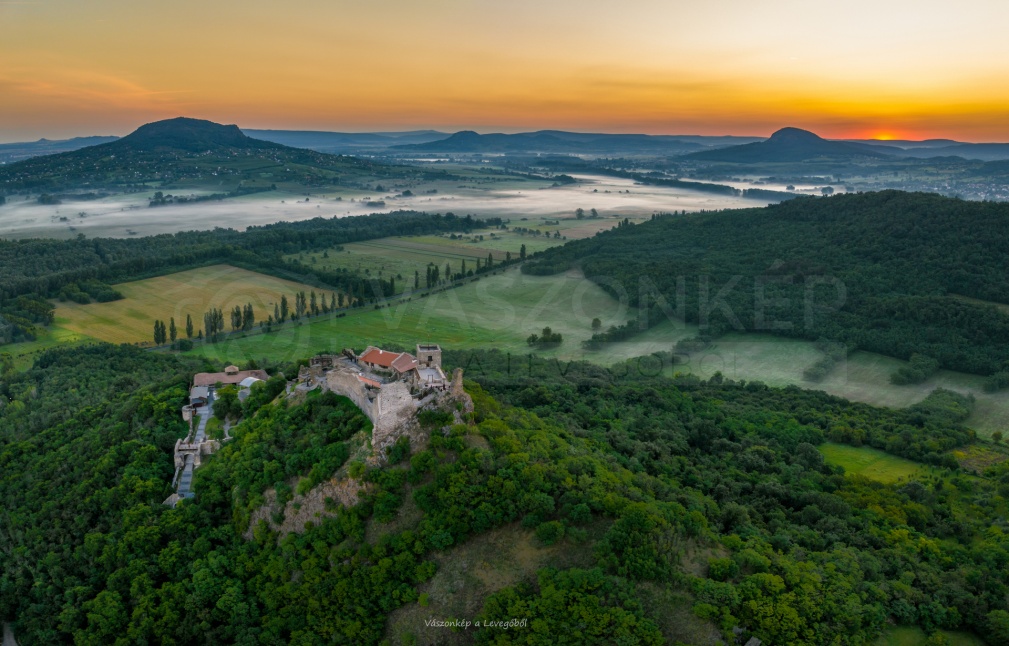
173, 333
998, 626
189, 326
248, 317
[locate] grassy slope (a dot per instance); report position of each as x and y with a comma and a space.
470, 572
191, 292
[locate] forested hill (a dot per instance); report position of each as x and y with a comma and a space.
886, 272
184, 150
685, 511
793, 145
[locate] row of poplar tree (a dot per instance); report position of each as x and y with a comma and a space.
243, 317
310, 304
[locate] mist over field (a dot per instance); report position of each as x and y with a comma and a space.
123, 216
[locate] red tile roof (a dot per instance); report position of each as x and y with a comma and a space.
379, 357
369, 382
404, 363
399, 361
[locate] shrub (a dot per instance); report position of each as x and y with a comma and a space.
722, 569
920, 368
550, 532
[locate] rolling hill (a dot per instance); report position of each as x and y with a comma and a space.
345, 142
14, 152
555, 141
190, 153
793, 145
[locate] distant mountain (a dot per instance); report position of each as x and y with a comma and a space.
25, 150
188, 152
932, 148
553, 141
793, 145
345, 142
984, 152
905, 143
188, 135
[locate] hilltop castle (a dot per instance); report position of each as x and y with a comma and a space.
389, 387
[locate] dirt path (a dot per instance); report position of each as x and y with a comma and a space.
9, 636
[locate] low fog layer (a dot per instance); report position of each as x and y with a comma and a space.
124, 216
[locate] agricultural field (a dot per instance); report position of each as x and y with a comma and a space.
497, 311
400, 257
872, 463
192, 292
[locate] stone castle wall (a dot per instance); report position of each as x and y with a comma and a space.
343, 381
390, 409
396, 414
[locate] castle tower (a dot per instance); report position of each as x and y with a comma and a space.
429, 355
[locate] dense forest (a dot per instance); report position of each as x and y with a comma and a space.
890, 272
642, 473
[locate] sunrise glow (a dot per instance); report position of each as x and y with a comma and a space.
104, 67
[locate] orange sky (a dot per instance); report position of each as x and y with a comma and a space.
856, 69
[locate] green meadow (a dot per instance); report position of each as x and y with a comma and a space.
404, 257
871, 463
914, 636
498, 311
